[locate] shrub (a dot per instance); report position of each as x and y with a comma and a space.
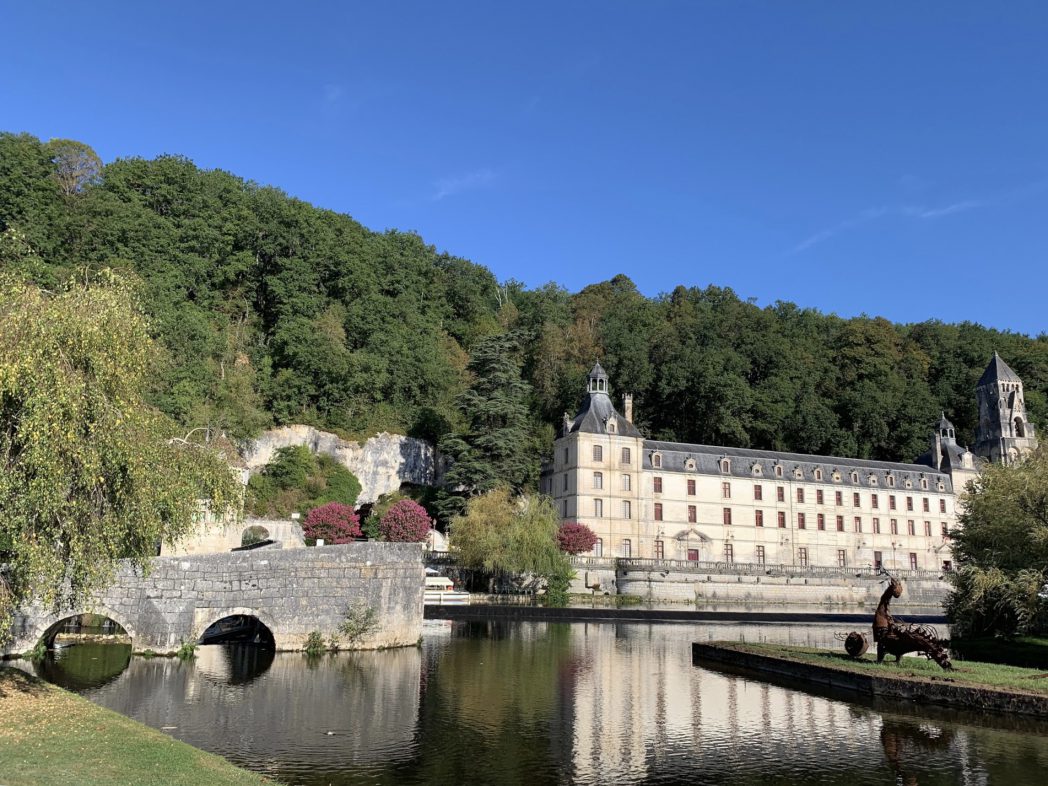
575, 538
334, 522
405, 522
360, 621
187, 651
557, 589
314, 643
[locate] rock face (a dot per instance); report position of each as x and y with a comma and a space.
382, 463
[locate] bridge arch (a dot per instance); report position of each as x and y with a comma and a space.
49, 626
207, 617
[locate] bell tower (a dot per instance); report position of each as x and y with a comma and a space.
1004, 433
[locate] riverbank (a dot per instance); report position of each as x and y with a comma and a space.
970, 685
50, 736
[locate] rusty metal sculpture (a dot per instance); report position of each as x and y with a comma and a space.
898, 638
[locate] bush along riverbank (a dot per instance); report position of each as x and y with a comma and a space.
49, 736
971, 685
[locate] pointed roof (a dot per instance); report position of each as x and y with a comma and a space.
997, 371
943, 422
598, 372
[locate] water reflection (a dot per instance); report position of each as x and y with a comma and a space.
542, 703
84, 666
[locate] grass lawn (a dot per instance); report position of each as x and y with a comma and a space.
50, 736
972, 673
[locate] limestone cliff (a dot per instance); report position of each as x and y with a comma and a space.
382, 463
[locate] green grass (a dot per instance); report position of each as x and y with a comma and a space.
50, 736
968, 673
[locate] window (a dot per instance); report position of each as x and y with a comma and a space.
627, 482
842, 558
877, 560
855, 500
760, 555
838, 498
758, 492
598, 508
891, 502
800, 521
945, 530
909, 503
778, 472
598, 453
725, 465
782, 519
625, 456
924, 483
927, 529
855, 477
780, 493
598, 548
802, 557
894, 526
658, 511
565, 481
926, 505
947, 566
657, 480
800, 495
611, 426
758, 518
757, 470
820, 521
693, 555
818, 474
627, 509
874, 502
660, 552
840, 523
818, 497
689, 464
692, 515
891, 481
876, 526
627, 548
858, 523
729, 553
725, 489
727, 514
873, 480
656, 460
598, 480
913, 560
565, 455
910, 527
942, 505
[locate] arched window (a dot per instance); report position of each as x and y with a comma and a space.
725, 465
778, 471
818, 474
891, 481
1020, 428
855, 477
656, 459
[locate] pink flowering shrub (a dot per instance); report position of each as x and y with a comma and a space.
405, 522
575, 538
334, 522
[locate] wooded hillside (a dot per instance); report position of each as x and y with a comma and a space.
274, 311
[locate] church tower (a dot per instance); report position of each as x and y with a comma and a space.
1004, 433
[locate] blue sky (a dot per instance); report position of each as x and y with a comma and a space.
888, 159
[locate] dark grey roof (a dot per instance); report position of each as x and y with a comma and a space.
945, 424
796, 466
598, 372
596, 411
997, 371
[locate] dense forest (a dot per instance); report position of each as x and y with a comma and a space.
274, 311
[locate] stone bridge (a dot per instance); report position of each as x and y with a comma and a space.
291, 592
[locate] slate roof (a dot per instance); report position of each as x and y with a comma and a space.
944, 424
596, 410
997, 371
795, 466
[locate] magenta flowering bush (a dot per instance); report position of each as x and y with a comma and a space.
405, 522
334, 522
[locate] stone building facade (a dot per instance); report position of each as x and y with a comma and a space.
665, 500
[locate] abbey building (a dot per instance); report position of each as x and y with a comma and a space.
669, 500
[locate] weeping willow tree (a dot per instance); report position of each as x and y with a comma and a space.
1001, 586
89, 472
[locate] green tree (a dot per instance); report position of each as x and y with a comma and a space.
497, 447
1001, 548
90, 473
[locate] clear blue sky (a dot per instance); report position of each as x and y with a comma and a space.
886, 158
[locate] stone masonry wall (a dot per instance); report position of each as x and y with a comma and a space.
382, 463
291, 592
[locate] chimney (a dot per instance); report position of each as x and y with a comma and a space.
627, 406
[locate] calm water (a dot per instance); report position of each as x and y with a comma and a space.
540, 703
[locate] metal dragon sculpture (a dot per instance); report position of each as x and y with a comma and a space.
897, 638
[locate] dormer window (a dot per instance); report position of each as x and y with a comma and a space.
942, 487
818, 474
836, 476
611, 426
855, 477
725, 465
656, 459
778, 471
891, 481
873, 480
924, 483
689, 464
909, 483
757, 470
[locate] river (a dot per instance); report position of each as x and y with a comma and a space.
546, 703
